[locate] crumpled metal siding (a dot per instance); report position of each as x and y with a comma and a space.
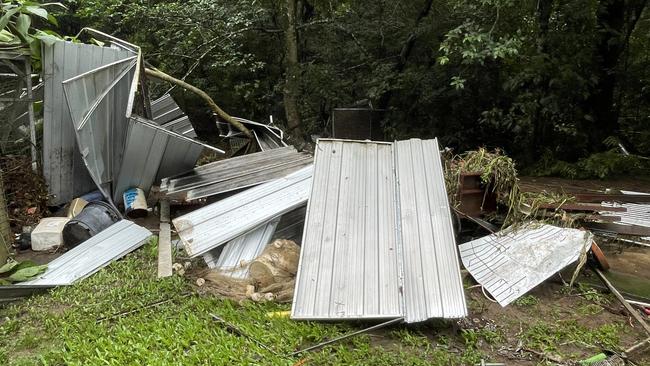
233, 260
143, 153
432, 283
509, 264
211, 226
378, 241
64, 170
97, 101
179, 156
95, 253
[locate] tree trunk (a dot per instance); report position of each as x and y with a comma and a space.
292, 69
541, 126
405, 52
610, 44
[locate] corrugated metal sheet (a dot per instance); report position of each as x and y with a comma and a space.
512, 262
236, 173
165, 110
636, 214
179, 156
214, 225
64, 170
95, 253
291, 225
349, 258
143, 153
366, 235
233, 260
432, 284
97, 101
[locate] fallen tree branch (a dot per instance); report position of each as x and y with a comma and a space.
154, 73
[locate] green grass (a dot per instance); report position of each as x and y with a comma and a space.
62, 327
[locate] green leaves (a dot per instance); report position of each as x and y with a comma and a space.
14, 271
22, 24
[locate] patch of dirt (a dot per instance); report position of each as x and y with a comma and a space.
25, 192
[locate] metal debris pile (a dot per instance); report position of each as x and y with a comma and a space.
359, 230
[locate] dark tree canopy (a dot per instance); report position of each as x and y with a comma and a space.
545, 80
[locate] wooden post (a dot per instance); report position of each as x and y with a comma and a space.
5, 229
164, 242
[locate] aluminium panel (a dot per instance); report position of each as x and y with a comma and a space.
237, 254
432, 283
165, 109
223, 169
213, 225
93, 254
180, 155
97, 102
512, 262
636, 214
349, 259
378, 240
143, 153
63, 167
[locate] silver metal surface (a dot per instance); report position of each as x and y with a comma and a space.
165, 110
636, 214
95, 253
216, 224
291, 225
97, 101
63, 167
349, 259
432, 284
378, 241
233, 260
143, 153
512, 262
179, 156
237, 173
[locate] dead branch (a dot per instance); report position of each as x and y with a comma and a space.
213, 106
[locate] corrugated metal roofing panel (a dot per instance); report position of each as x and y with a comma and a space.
96, 100
95, 253
636, 214
291, 225
236, 173
222, 221
63, 168
233, 260
432, 284
512, 262
349, 260
165, 109
143, 153
378, 240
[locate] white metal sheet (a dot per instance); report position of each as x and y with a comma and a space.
93, 254
512, 262
237, 254
432, 284
216, 224
349, 258
64, 170
378, 241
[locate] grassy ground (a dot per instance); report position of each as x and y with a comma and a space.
76, 326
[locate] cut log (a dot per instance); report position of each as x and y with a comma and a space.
278, 263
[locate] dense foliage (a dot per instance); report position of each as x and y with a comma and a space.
544, 80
